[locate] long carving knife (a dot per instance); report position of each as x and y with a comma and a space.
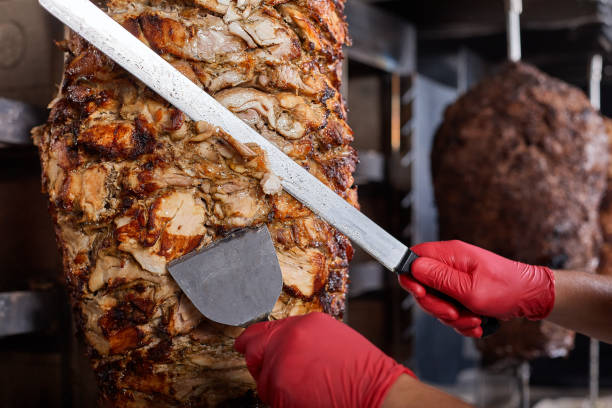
117, 43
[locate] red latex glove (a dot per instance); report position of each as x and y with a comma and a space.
314, 361
485, 283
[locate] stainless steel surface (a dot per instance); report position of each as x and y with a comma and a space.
380, 39
27, 311
514, 9
432, 97
16, 120
125, 49
234, 281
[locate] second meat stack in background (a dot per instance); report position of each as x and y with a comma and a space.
133, 184
519, 167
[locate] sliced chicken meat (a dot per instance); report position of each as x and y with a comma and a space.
134, 183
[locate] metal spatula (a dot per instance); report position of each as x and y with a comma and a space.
237, 280
234, 281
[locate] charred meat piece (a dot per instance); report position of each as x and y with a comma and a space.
133, 183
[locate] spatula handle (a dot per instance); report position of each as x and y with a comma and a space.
489, 324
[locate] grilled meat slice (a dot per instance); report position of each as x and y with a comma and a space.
133, 183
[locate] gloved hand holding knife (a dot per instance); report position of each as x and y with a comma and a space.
488, 284
485, 283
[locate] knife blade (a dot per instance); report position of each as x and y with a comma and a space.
142, 62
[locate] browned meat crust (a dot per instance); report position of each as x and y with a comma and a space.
133, 183
519, 168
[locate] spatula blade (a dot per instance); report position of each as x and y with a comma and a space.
234, 281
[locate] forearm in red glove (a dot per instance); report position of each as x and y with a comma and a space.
315, 361
485, 283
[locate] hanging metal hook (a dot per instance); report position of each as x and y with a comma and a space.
595, 70
514, 8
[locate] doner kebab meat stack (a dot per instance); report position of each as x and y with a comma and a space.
519, 167
133, 183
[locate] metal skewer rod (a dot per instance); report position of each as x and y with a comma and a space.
514, 8
524, 375
513, 28
593, 373
595, 70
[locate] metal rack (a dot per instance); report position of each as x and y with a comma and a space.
390, 55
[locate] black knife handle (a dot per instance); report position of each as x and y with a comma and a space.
489, 324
